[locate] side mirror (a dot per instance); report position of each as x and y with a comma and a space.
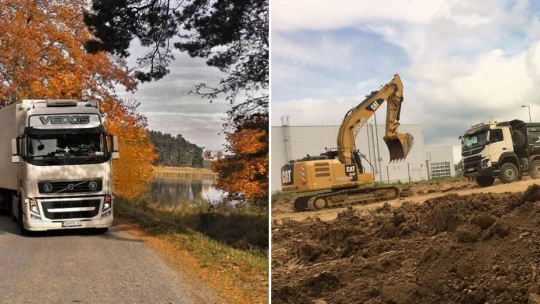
115, 144
14, 150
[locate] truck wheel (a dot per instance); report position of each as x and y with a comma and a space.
509, 173
535, 169
485, 181
102, 230
20, 224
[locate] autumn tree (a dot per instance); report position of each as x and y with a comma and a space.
42, 56
232, 35
244, 172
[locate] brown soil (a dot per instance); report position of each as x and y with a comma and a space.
476, 248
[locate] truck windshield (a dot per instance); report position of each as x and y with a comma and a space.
471, 140
78, 148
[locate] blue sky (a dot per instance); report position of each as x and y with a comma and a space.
462, 62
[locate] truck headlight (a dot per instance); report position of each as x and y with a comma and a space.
32, 203
107, 202
484, 162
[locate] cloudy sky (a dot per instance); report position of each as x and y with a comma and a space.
170, 109
461, 62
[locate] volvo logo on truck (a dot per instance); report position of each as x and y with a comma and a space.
64, 120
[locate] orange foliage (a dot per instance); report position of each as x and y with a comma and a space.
42, 56
133, 171
244, 173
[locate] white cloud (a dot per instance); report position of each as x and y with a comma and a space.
325, 52
468, 61
327, 15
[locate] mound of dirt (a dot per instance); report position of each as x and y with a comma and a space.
479, 248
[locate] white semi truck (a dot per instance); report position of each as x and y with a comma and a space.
56, 165
504, 150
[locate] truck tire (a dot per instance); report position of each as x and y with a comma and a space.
534, 172
485, 181
519, 139
102, 230
20, 224
509, 173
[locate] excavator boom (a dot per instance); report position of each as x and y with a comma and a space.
344, 176
398, 144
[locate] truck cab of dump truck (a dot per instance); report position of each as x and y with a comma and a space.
505, 150
61, 173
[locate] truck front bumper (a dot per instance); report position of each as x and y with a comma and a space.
476, 171
104, 222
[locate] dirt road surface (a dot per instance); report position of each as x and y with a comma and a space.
82, 267
285, 210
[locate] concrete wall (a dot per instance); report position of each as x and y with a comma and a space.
312, 140
439, 156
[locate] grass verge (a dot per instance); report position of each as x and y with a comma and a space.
215, 241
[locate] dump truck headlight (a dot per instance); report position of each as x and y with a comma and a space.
484, 162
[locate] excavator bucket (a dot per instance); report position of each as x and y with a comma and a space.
399, 145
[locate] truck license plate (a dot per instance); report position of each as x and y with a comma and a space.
71, 224
470, 169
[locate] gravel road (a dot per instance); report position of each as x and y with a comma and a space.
82, 267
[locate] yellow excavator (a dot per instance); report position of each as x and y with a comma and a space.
344, 175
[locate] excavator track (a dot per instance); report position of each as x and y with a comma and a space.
345, 198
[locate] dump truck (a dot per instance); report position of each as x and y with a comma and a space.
56, 165
342, 170
505, 150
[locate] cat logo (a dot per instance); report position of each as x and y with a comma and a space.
286, 176
350, 169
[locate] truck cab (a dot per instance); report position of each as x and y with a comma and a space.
60, 175
504, 150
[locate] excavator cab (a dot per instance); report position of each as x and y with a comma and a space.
399, 145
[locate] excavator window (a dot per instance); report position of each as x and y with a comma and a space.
358, 162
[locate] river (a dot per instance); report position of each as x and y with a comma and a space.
172, 192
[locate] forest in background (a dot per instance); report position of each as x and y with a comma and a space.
175, 151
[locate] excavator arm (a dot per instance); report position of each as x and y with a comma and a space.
399, 145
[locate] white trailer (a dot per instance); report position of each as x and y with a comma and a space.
56, 165
8, 131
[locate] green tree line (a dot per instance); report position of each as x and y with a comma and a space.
175, 151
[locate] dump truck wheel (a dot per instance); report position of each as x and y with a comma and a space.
509, 173
535, 169
484, 181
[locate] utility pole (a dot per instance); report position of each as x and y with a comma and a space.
378, 150
527, 106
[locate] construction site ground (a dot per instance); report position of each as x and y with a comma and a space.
450, 242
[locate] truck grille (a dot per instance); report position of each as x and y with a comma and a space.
80, 186
49, 206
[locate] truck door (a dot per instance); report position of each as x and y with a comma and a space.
497, 144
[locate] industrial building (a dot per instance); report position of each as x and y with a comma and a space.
294, 142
